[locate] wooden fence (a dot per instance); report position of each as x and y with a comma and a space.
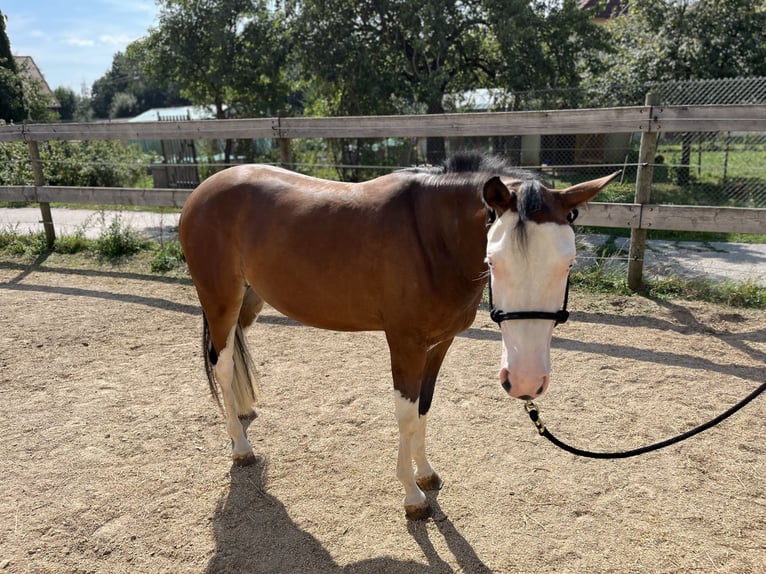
650, 120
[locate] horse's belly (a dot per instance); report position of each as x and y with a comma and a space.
321, 309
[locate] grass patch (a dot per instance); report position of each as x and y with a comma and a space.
747, 294
70, 244
702, 236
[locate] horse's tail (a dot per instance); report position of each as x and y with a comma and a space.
245, 379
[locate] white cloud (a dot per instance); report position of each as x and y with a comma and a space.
116, 39
80, 42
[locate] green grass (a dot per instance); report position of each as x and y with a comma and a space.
116, 242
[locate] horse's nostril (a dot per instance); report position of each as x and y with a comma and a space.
506, 384
541, 390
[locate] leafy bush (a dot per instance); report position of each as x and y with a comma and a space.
119, 240
167, 257
78, 164
13, 243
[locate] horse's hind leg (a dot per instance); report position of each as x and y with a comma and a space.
232, 372
242, 452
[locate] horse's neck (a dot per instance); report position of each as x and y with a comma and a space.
457, 231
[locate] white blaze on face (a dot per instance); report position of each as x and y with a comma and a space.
528, 276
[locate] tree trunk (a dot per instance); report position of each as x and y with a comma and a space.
435, 146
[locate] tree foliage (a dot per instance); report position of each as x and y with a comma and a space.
12, 107
226, 53
133, 84
81, 164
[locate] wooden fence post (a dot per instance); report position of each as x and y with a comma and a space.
45, 207
646, 154
285, 157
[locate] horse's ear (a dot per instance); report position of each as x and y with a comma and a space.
498, 197
583, 192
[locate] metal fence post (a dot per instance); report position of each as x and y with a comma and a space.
646, 154
45, 207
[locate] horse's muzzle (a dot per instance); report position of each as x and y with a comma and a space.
538, 387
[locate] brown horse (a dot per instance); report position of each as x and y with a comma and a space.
406, 253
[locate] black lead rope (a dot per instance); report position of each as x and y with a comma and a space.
534, 415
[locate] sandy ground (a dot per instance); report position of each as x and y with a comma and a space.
115, 459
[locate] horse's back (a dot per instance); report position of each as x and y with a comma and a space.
316, 250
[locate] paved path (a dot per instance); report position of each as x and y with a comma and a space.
711, 260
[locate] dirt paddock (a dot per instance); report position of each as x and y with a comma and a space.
115, 459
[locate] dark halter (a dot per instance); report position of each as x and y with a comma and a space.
560, 316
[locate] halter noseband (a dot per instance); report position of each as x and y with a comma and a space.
560, 316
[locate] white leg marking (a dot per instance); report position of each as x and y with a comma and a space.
424, 468
407, 418
224, 374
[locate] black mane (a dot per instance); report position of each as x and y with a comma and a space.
476, 162
530, 192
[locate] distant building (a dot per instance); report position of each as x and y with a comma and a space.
29, 72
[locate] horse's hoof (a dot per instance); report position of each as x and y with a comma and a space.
430, 482
417, 511
244, 459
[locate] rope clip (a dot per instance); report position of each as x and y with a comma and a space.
534, 414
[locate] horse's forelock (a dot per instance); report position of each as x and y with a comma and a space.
531, 200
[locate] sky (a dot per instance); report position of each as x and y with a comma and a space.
73, 42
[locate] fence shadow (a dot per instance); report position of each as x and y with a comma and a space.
254, 533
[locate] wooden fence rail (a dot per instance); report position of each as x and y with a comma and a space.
649, 120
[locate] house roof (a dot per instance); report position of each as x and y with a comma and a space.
176, 113
29, 71
610, 8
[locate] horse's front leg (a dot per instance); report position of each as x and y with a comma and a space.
414, 367
425, 475
407, 417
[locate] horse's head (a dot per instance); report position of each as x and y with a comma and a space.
530, 249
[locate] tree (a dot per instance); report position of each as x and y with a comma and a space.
226, 53
132, 75
12, 107
68, 102
368, 56
544, 45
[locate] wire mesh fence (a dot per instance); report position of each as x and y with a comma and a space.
715, 168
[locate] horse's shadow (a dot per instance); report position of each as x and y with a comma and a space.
254, 534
